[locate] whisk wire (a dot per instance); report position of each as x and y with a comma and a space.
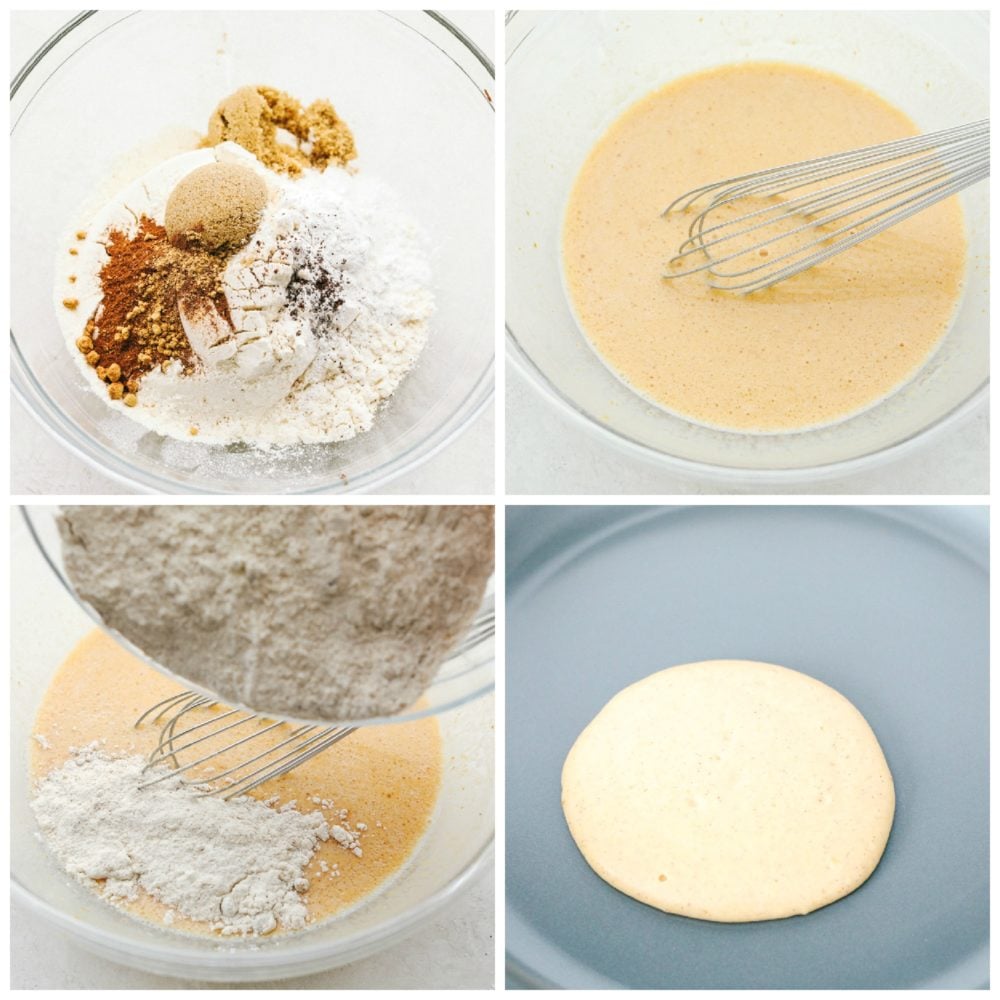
292, 760
953, 159
277, 758
837, 167
915, 204
806, 205
164, 706
849, 160
167, 749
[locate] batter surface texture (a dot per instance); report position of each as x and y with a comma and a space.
809, 351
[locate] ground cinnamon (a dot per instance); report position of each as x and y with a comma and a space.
137, 326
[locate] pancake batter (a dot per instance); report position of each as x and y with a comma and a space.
730, 791
385, 777
809, 351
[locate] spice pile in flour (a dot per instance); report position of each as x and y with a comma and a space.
253, 290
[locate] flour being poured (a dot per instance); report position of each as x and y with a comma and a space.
318, 612
305, 847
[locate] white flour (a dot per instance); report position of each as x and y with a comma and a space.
313, 612
236, 865
330, 304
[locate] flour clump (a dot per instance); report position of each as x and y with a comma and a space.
236, 865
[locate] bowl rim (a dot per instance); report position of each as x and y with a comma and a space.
32, 396
561, 403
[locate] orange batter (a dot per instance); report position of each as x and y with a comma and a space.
386, 777
809, 351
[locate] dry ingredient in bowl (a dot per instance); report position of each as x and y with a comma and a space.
139, 327
251, 291
237, 866
313, 612
301, 849
252, 117
218, 205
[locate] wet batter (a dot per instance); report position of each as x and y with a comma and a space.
815, 348
386, 777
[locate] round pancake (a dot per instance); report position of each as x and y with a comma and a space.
729, 790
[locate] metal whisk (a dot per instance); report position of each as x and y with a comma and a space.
889, 182
233, 729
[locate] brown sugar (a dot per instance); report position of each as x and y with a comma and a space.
218, 205
252, 116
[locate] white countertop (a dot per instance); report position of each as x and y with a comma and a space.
547, 452
41, 465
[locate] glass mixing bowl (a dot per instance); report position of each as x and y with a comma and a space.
417, 94
569, 76
457, 847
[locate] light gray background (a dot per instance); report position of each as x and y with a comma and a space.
548, 452
455, 949
39, 464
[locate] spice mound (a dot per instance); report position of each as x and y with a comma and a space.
139, 326
251, 290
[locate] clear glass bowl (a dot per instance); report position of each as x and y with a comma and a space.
415, 91
570, 75
458, 845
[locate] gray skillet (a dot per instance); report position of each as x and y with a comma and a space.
887, 605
